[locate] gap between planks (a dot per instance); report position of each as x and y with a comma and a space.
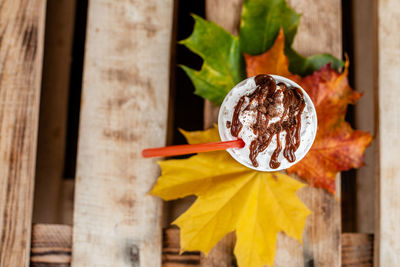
51, 246
60, 22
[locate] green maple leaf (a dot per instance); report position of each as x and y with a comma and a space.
261, 21
223, 65
222, 53
260, 24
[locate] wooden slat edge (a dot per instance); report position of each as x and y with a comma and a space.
320, 21
21, 55
227, 15
320, 31
51, 243
387, 144
363, 29
357, 250
171, 256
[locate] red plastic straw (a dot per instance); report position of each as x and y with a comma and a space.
190, 149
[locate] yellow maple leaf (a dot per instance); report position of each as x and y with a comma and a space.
232, 197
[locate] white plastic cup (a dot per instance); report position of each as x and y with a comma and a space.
308, 128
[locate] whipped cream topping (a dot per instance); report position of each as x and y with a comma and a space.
248, 118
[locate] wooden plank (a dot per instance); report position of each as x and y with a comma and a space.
227, 15
21, 54
320, 21
319, 32
171, 256
387, 242
51, 245
357, 250
53, 110
363, 27
124, 109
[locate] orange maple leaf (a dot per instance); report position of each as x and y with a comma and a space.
273, 61
337, 147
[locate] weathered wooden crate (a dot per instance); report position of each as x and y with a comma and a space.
126, 105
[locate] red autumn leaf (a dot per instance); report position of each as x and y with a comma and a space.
337, 147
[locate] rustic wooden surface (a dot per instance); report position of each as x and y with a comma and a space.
357, 250
171, 256
51, 245
124, 109
227, 15
320, 27
53, 110
21, 54
319, 32
210, 114
363, 27
387, 230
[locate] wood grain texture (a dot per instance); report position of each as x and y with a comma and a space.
319, 32
124, 109
21, 54
357, 250
51, 245
320, 29
210, 114
171, 256
387, 242
227, 15
363, 28
321, 235
53, 109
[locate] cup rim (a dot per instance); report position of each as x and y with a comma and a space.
221, 126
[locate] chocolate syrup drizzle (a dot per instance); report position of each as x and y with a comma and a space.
266, 100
